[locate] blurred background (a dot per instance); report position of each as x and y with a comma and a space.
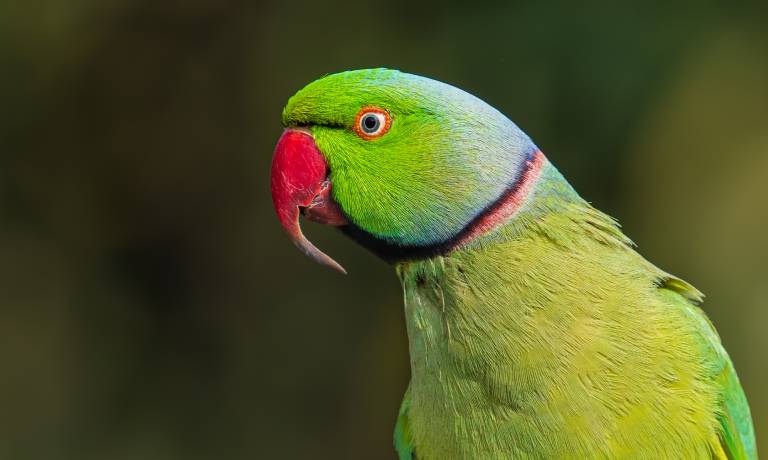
151, 308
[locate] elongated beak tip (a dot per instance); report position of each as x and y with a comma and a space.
299, 182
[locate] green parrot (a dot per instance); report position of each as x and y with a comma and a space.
535, 329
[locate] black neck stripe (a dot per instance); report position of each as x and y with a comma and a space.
393, 252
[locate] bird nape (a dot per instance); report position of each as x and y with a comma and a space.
535, 328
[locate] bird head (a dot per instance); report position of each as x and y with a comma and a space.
405, 165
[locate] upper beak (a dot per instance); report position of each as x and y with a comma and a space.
299, 183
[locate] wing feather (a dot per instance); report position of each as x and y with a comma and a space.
736, 436
403, 438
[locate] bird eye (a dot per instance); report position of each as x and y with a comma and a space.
372, 122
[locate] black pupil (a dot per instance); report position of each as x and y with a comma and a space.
370, 123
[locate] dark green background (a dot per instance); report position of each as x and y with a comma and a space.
151, 307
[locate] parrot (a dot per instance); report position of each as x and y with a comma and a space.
535, 329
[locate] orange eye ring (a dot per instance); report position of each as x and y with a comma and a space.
372, 122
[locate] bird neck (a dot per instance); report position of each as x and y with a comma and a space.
490, 320
505, 271
544, 194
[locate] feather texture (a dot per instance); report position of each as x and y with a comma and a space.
535, 328
555, 339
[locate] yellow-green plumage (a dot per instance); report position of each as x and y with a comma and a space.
555, 339
538, 333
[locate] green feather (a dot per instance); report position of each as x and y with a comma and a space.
403, 440
555, 339
548, 336
407, 187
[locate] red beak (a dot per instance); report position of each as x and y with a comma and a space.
300, 185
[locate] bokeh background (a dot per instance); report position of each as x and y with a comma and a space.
150, 307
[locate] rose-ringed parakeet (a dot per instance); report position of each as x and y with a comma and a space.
535, 329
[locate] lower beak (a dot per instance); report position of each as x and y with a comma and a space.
300, 185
